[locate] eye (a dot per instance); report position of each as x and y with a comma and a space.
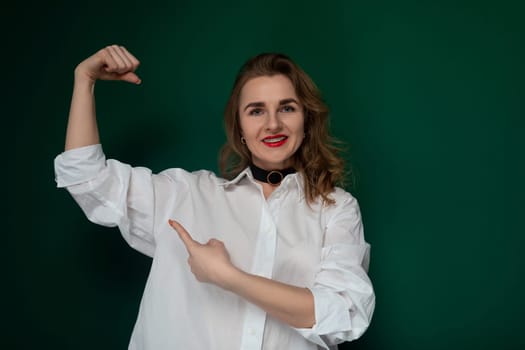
288, 109
256, 111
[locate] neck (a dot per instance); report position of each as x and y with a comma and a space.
272, 177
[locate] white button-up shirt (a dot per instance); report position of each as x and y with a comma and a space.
319, 247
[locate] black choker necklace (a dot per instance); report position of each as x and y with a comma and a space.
273, 177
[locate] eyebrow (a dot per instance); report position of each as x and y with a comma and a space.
261, 104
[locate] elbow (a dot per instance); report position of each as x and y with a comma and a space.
362, 317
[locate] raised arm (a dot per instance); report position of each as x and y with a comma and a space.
110, 63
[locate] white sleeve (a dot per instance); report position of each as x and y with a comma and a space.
344, 298
110, 193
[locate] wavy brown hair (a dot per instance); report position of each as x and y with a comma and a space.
318, 156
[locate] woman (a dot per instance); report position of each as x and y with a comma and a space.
276, 253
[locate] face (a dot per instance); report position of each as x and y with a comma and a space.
271, 121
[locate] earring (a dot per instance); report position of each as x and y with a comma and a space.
243, 140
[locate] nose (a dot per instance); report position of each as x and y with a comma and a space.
273, 122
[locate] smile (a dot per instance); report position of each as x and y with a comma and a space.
275, 141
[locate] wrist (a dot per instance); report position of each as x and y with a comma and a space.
83, 86
230, 278
82, 78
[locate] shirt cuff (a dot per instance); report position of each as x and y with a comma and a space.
79, 165
331, 315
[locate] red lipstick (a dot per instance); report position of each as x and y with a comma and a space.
275, 140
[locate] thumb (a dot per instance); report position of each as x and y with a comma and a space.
131, 77
214, 242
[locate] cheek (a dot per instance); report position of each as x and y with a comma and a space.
300, 134
249, 128
299, 127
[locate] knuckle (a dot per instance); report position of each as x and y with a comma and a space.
104, 53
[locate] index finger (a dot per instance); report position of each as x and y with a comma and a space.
183, 234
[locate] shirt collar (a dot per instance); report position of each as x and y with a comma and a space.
246, 172
289, 180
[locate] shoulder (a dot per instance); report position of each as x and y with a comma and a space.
343, 199
199, 179
345, 206
344, 218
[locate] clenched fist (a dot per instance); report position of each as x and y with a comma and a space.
113, 62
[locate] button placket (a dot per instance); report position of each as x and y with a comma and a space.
265, 247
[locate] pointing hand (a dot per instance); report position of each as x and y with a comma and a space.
209, 262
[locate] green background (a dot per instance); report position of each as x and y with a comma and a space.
427, 95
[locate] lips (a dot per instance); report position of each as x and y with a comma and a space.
275, 140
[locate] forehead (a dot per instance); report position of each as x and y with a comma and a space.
267, 89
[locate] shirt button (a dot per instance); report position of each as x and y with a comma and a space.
252, 331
